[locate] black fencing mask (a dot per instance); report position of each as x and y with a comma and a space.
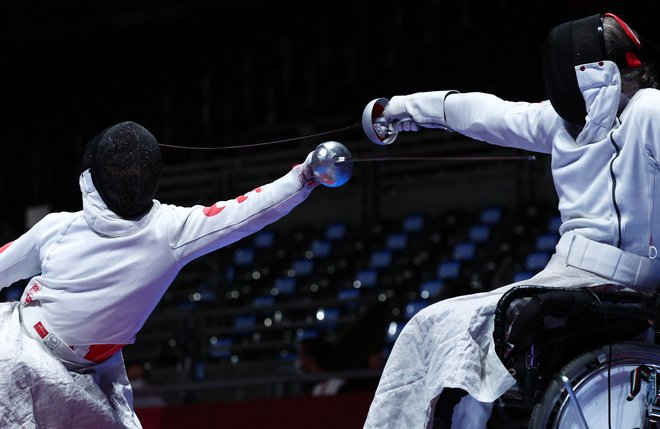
572, 44
125, 164
568, 45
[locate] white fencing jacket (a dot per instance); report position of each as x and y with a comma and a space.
96, 277
607, 176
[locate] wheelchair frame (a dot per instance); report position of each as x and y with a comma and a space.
635, 310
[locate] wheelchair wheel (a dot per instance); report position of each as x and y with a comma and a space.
588, 376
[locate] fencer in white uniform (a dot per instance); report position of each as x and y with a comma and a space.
601, 126
95, 276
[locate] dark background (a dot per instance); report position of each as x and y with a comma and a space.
220, 73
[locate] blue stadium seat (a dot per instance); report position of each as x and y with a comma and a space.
230, 274
397, 241
554, 223
263, 301
449, 270
413, 223
547, 242
204, 293
479, 233
491, 215
220, 347
381, 258
536, 261
264, 239
187, 305
522, 275
464, 251
302, 334
285, 285
431, 289
335, 231
321, 248
243, 256
303, 267
328, 314
245, 321
367, 278
413, 307
348, 294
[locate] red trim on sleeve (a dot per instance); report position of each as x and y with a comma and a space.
3, 248
241, 199
212, 210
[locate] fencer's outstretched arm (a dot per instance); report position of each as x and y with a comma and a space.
198, 230
20, 259
193, 231
477, 115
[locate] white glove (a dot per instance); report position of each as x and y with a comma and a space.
397, 116
422, 109
306, 174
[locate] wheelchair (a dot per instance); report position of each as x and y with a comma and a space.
582, 358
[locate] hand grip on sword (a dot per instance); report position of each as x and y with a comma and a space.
377, 128
382, 119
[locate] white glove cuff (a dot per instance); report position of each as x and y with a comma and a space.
427, 109
305, 172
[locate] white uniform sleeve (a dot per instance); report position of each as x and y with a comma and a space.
646, 116
195, 231
488, 118
20, 258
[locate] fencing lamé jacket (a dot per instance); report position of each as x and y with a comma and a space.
96, 277
607, 177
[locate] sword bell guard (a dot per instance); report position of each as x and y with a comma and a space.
374, 125
331, 164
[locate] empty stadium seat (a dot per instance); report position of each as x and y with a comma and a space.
449, 270
431, 289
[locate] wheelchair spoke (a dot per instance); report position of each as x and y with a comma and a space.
574, 401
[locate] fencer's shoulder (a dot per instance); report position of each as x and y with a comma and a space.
546, 107
546, 114
55, 218
646, 101
167, 212
648, 95
165, 208
53, 222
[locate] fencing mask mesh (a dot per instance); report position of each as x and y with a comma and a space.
125, 164
568, 45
